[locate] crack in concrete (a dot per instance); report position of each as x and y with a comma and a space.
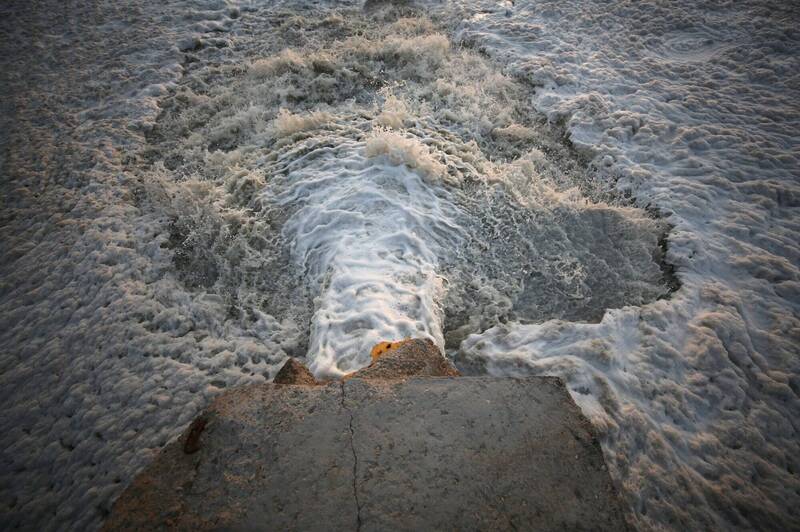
355, 462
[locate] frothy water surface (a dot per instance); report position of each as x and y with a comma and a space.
367, 234
270, 181
409, 188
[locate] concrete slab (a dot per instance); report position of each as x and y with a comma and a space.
415, 454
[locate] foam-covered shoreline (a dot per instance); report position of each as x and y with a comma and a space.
692, 109
150, 267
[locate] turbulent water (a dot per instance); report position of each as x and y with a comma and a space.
195, 192
382, 182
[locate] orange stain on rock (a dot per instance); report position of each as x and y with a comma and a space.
384, 347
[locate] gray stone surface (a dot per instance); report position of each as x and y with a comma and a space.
418, 357
415, 454
295, 372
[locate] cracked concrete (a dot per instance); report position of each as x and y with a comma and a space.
355, 461
412, 454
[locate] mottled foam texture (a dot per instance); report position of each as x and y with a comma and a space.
194, 192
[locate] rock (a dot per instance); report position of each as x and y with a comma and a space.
294, 372
390, 360
419, 357
382, 347
192, 443
410, 454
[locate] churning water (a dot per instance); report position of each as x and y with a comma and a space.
384, 182
199, 189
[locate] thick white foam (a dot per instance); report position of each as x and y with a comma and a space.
366, 232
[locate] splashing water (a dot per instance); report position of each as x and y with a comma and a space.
409, 185
366, 230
